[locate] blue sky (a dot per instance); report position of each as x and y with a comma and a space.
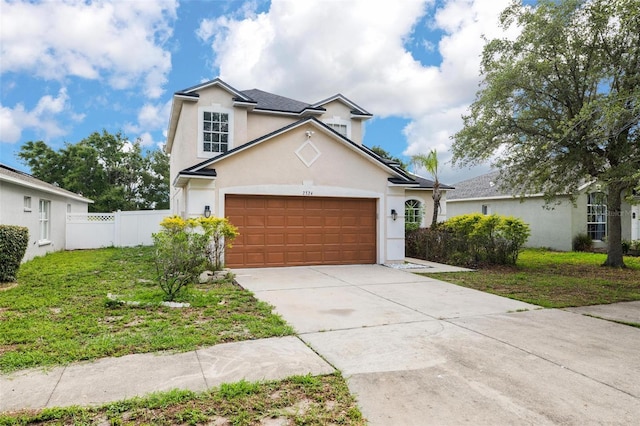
71, 67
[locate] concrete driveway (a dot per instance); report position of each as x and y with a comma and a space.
418, 351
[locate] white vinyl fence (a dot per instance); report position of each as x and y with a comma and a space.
119, 229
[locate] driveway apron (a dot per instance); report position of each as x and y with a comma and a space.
418, 351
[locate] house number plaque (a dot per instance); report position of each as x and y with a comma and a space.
307, 192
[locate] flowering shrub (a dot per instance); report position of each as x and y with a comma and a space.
184, 248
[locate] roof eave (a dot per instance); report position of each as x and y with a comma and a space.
46, 189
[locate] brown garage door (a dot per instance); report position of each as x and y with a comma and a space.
288, 231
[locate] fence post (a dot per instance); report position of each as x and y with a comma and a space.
116, 229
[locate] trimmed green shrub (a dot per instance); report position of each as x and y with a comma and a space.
185, 248
470, 240
582, 242
13, 245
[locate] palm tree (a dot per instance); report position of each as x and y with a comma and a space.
430, 163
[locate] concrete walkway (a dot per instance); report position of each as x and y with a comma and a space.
418, 351
114, 379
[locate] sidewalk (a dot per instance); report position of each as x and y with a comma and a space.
114, 379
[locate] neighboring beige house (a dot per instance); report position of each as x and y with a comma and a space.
553, 225
39, 206
294, 177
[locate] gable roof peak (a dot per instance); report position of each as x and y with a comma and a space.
355, 108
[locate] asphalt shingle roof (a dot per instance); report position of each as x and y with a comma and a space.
483, 186
272, 102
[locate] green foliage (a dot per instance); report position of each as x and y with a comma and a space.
470, 240
184, 248
385, 154
13, 245
108, 168
180, 254
559, 104
430, 164
221, 234
582, 242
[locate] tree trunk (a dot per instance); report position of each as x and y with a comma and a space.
436, 206
614, 225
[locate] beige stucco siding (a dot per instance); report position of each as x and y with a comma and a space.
337, 109
273, 168
260, 124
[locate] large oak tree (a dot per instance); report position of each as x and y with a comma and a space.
559, 105
105, 167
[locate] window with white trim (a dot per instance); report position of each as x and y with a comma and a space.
485, 209
413, 211
45, 220
597, 216
27, 203
215, 131
340, 125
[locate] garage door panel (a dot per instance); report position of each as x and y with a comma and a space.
254, 240
276, 221
280, 230
255, 221
295, 221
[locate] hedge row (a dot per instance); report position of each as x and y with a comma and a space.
470, 240
13, 245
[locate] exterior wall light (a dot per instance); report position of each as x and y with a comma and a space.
394, 214
207, 211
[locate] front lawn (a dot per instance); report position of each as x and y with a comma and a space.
556, 279
59, 311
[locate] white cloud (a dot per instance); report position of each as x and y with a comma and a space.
120, 41
41, 119
151, 117
313, 49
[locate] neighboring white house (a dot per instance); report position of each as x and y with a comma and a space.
39, 206
553, 225
293, 176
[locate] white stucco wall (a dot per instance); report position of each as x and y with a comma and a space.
12, 212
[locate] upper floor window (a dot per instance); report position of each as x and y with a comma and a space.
216, 131
413, 211
597, 216
27, 203
340, 125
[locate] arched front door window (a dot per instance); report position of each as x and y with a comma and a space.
413, 211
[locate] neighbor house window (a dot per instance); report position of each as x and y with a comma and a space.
596, 216
216, 131
340, 125
485, 209
27, 203
45, 220
413, 211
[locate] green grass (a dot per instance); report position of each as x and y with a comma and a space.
59, 312
556, 279
297, 400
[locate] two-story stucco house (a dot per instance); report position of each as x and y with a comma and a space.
39, 206
293, 177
